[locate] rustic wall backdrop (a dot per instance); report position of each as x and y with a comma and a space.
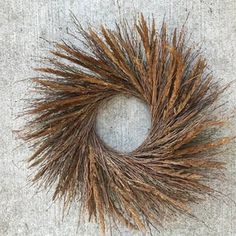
26, 211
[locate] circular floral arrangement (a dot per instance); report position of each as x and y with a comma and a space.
171, 169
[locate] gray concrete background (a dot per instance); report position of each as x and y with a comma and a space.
22, 23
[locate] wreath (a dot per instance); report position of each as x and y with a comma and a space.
171, 169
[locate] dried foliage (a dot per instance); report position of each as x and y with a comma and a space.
173, 166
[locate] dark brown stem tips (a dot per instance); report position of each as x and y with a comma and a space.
171, 169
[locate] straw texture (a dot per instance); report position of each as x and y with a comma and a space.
171, 169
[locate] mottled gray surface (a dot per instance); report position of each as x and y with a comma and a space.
22, 23
123, 123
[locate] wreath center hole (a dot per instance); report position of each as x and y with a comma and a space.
123, 123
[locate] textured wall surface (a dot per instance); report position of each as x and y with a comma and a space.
26, 211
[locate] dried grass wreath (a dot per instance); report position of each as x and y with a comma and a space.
173, 166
